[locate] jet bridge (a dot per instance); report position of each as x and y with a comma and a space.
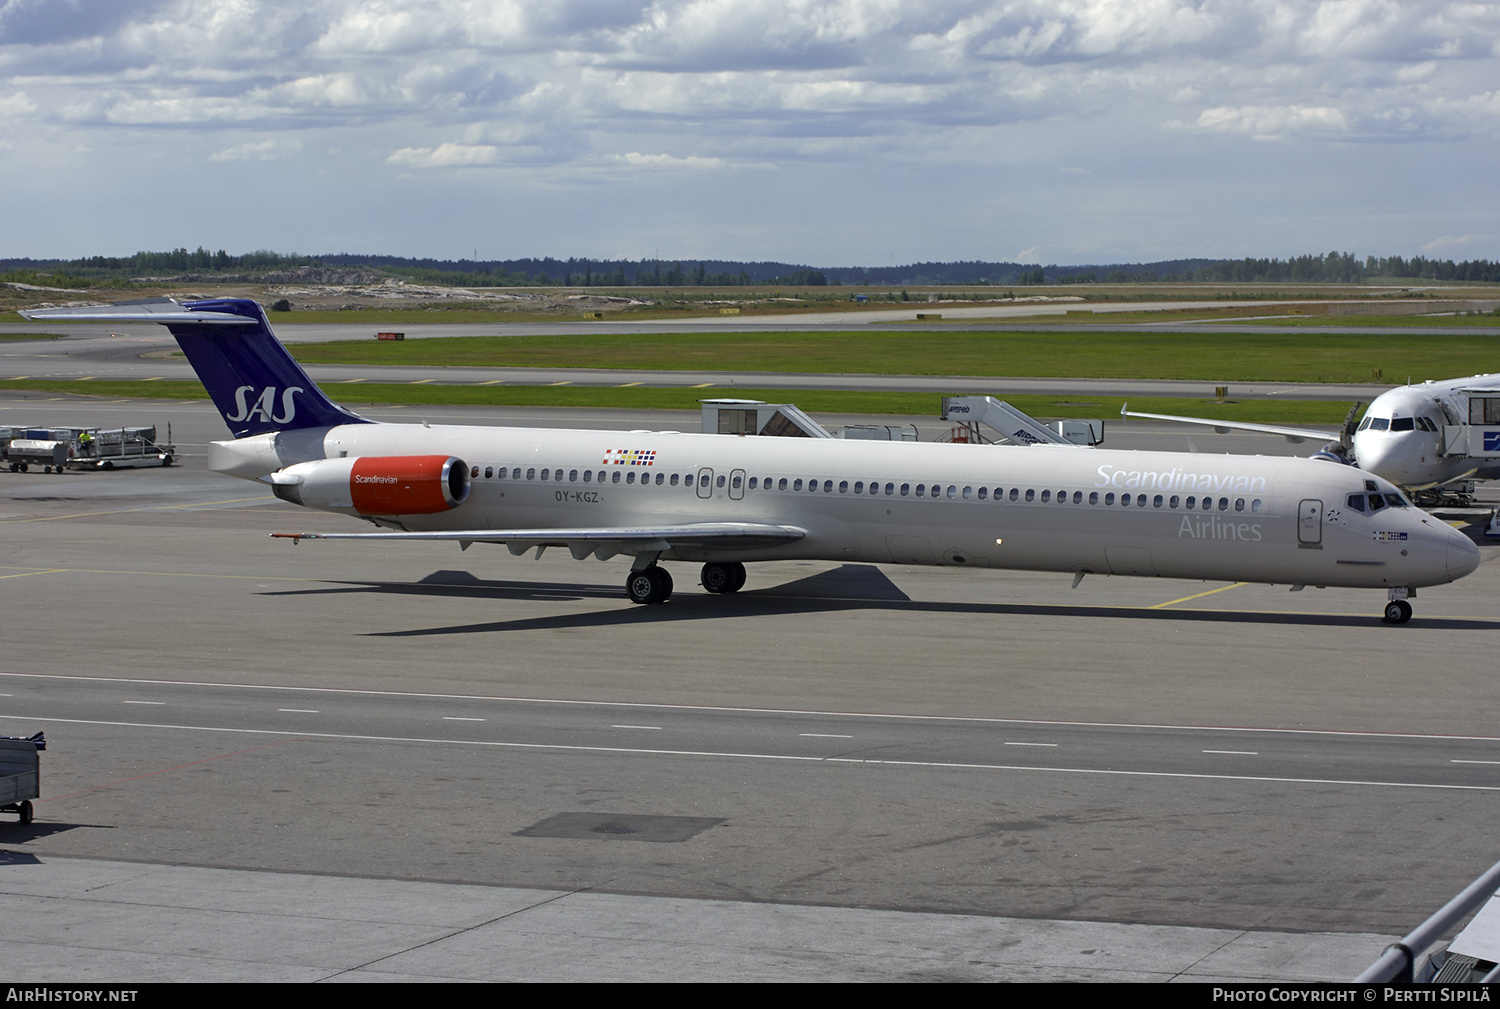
1480, 437
1017, 427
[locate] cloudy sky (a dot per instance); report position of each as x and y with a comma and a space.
832, 132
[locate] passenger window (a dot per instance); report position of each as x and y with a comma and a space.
1030, 495
859, 486
1239, 504
797, 484
1140, 500
1156, 501
531, 473
1093, 497
1015, 493
921, 489
630, 476
999, 493
614, 477
735, 483
752, 483
827, 486
904, 488
952, 492
659, 478
1174, 502
572, 476
781, 484
473, 471
588, 475
1046, 496
1223, 504
1109, 499
843, 486
1255, 506
1125, 500
1191, 503
720, 481
687, 481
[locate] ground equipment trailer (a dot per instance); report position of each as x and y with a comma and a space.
57, 448
20, 773
117, 448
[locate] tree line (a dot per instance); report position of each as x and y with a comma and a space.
1332, 267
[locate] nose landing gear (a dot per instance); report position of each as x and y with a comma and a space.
1398, 610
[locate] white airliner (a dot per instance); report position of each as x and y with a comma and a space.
1400, 437
723, 500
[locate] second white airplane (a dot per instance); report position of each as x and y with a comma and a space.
721, 501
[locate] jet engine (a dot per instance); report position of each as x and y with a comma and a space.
376, 485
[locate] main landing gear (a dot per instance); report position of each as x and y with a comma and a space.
649, 585
723, 578
652, 584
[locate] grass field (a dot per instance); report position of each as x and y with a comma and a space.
1316, 357
642, 398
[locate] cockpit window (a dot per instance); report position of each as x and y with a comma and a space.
1403, 424
1376, 502
1395, 500
1357, 502
1380, 424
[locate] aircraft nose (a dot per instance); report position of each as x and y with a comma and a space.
1463, 555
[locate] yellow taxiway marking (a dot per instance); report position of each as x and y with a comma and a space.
1199, 595
351, 381
18, 378
494, 381
629, 385
703, 385
121, 511
25, 574
85, 378
153, 378
420, 381
563, 382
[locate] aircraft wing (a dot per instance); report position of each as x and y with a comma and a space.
602, 543
1295, 435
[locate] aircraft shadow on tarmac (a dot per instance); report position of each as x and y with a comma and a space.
843, 589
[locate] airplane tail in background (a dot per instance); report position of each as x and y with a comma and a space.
257, 386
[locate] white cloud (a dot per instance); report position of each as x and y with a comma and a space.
637, 160
1268, 123
259, 150
447, 155
1447, 244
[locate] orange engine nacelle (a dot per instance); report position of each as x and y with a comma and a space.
376, 485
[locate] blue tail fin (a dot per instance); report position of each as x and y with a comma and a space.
254, 382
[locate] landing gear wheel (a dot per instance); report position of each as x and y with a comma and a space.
649, 585
723, 578
1397, 611
25, 811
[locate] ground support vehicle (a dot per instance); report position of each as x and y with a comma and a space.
20, 773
